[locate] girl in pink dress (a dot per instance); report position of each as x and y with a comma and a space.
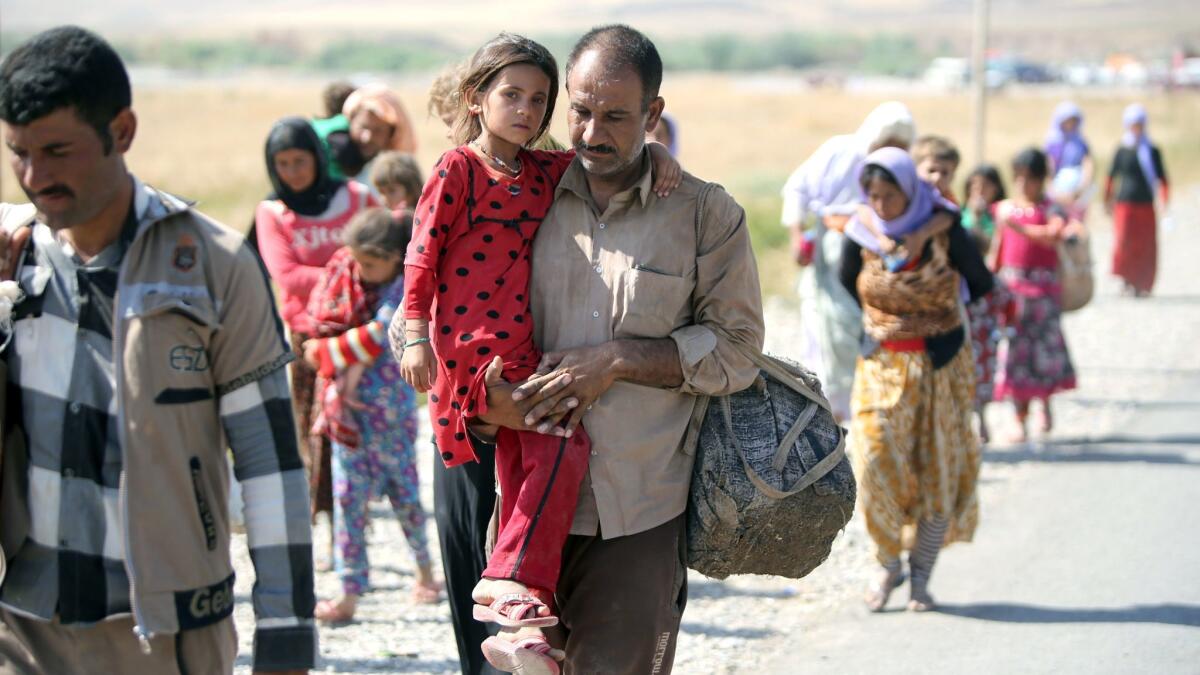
1033, 362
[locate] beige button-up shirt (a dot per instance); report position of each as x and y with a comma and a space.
637, 271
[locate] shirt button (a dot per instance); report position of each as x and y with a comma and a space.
598, 269
594, 453
602, 226
595, 315
75, 408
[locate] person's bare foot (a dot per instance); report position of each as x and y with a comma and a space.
487, 590
426, 592
985, 436
1018, 435
1046, 422
336, 611
878, 593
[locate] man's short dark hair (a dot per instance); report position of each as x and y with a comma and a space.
623, 48
65, 67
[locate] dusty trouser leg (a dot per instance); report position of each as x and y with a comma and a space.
622, 600
931, 533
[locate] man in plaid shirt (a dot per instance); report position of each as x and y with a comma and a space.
144, 342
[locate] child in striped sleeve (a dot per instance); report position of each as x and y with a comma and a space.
366, 408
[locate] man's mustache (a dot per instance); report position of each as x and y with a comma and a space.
55, 191
598, 149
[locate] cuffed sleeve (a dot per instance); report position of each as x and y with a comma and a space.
727, 304
419, 286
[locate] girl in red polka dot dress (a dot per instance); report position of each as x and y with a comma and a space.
466, 302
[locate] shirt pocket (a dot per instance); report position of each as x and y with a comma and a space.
173, 334
650, 303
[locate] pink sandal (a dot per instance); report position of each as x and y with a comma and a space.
527, 656
515, 610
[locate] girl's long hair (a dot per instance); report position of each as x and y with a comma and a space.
991, 174
506, 49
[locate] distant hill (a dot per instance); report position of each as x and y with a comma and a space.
1055, 28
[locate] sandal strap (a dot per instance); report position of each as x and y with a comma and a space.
534, 643
517, 606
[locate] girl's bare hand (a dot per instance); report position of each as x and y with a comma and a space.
668, 173
417, 367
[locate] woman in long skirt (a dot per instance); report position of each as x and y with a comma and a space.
916, 455
1137, 173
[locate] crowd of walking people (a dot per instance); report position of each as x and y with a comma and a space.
559, 307
899, 272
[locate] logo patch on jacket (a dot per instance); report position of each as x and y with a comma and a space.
184, 257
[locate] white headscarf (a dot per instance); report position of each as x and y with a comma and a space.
891, 121
827, 182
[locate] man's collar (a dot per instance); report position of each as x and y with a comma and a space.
575, 180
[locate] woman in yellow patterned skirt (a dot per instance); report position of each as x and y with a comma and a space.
916, 455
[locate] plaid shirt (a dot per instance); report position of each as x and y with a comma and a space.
62, 376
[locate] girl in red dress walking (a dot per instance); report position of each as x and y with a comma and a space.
466, 303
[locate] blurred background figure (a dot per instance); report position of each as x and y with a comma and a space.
666, 132
397, 179
299, 227
1034, 363
1137, 175
983, 190
378, 122
818, 199
1071, 166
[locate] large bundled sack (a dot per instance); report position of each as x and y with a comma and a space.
771, 487
1075, 272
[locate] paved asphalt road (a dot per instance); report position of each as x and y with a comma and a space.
1087, 559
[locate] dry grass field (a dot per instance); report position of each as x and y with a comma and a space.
204, 140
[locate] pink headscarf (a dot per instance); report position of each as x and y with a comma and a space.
382, 102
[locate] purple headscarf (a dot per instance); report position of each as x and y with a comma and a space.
673, 129
1136, 114
923, 198
1066, 150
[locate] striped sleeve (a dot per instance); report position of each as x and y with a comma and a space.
257, 419
357, 345
364, 343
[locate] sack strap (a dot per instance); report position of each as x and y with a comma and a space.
778, 371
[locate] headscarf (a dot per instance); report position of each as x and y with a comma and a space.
296, 133
827, 182
888, 121
1066, 150
673, 129
382, 102
923, 199
1136, 114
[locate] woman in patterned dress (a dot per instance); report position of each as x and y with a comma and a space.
915, 453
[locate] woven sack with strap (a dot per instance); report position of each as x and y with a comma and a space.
1075, 272
771, 485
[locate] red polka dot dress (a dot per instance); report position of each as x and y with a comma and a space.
467, 270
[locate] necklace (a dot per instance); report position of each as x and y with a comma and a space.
514, 168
